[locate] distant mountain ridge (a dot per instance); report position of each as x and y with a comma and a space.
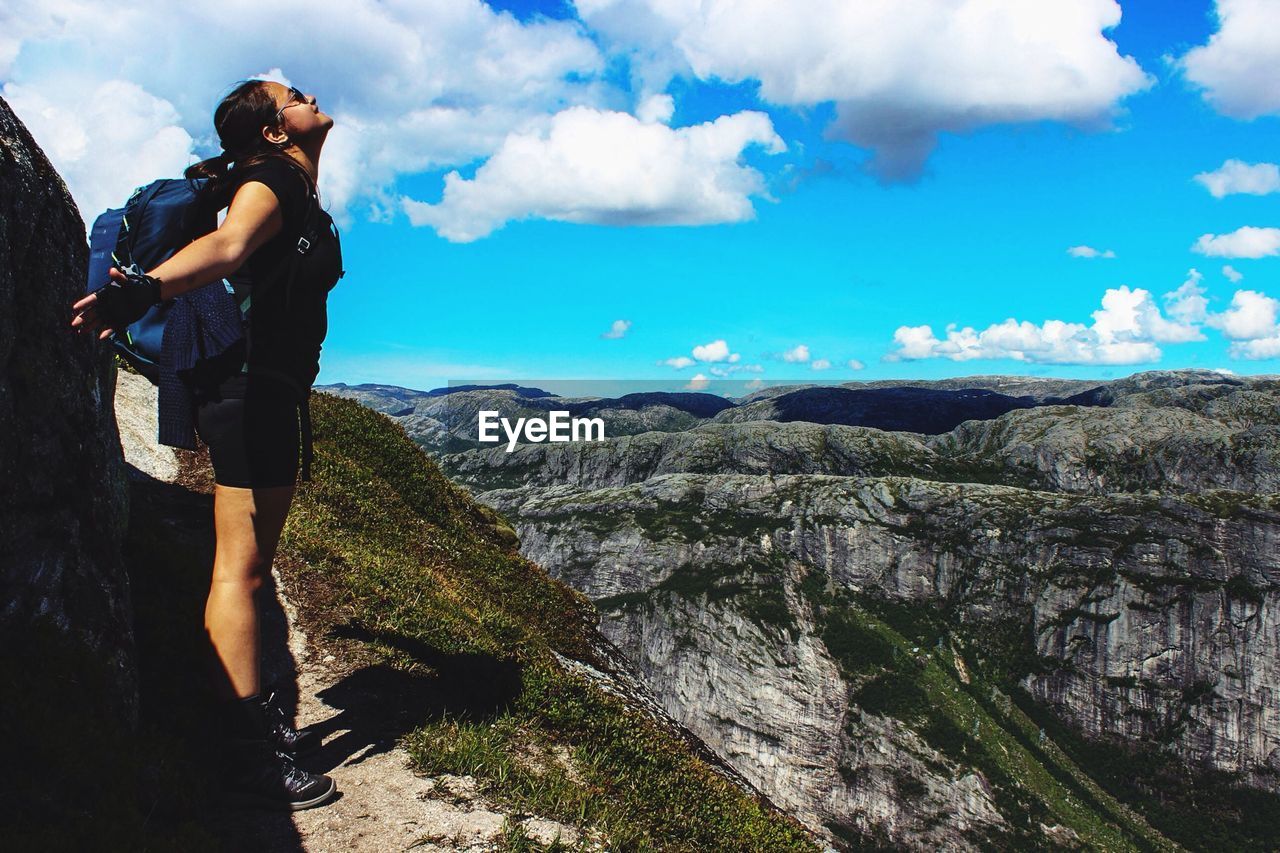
444, 420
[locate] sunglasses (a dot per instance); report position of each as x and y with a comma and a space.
295, 97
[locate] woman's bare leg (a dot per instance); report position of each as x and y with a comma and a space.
248, 524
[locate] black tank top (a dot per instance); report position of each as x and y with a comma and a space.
286, 309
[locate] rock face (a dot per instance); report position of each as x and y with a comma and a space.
138, 417
1115, 588
1220, 434
816, 601
752, 447
774, 705
63, 496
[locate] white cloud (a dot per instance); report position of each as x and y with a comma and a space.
1187, 304
1256, 349
617, 329
656, 109
1251, 325
1054, 342
697, 383
1246, 242
1125, 330
798, 353
1089, 252
608, 168
898, 71
854, 364
1233, 275
754, 384
1236, 70
1252, 316
717, 350
112, 138
412, 86
717, 353
820, 364
1236, 176
1134, 316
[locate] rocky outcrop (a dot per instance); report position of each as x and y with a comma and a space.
63, 496
775, 706
1221, 435
752, 447
138, 417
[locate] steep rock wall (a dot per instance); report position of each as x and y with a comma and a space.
63, 494
1148, 619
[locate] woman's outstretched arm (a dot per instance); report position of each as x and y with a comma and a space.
252, 219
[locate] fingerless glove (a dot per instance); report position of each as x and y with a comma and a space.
123, 303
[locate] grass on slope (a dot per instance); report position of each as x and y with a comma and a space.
398, 554
904, 668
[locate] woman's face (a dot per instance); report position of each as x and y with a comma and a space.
300, 118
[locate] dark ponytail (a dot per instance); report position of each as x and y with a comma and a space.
239, 119
214, 168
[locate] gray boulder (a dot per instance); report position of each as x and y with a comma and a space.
63, 492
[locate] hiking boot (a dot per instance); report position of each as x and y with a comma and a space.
262, 776
281, 733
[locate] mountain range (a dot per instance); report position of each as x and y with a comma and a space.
988, 610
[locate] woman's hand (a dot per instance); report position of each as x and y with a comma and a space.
122, 301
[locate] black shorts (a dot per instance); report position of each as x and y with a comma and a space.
253, 441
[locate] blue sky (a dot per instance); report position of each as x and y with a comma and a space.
832, 258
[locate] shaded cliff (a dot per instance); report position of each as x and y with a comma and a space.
62, 495
67, 667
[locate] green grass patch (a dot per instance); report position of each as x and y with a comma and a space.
891, 653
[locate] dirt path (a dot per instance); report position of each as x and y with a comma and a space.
383, 805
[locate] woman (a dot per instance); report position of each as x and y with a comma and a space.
281, 254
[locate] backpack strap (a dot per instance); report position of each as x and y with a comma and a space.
306, 238
122, 256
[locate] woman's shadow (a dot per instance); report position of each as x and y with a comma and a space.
378, 704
